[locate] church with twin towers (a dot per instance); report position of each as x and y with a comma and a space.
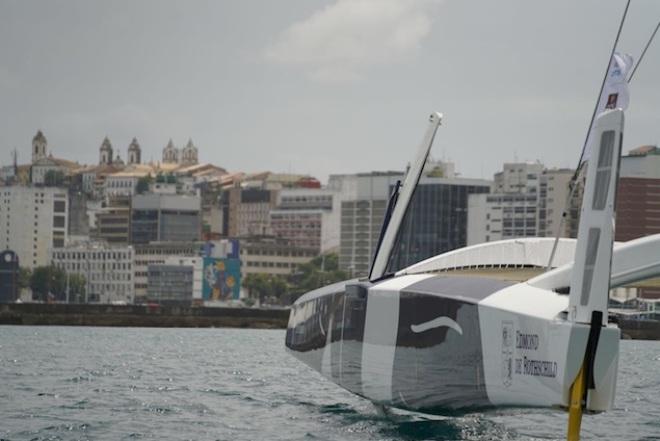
184, 156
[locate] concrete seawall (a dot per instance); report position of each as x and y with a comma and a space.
141, 315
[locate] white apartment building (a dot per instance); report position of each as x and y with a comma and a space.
511, 210
553, 193
156, 254
363, 203
308, 217
33, 220
123, 183
499, 216
178, 279
108, 270
271, 256
518, 177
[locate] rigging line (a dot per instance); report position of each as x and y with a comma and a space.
641, 57
573, 180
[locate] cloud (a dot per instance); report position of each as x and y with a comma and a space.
344, 39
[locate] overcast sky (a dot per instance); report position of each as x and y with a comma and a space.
319, 87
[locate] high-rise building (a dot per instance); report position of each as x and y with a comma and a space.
553, 193
511, 210
436, 220
33, 221
165, 217
638, 199
308, 217
246, 210
113, 222
364, 199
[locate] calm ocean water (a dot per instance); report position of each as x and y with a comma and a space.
65, 383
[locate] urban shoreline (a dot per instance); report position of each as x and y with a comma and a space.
43, 314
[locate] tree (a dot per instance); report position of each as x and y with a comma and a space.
265, 286
48, 283
24, 275
77, 286
274, 288
320, 271
143, 184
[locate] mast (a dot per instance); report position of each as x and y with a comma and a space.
590, 281
400, 203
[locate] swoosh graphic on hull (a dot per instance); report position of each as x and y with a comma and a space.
436, 323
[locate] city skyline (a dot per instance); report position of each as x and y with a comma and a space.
264, 83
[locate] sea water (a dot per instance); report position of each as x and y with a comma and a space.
67, 383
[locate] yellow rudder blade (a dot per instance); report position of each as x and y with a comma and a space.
575, 406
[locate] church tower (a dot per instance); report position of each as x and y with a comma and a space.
134, 152
189, 154
39, 144
170, 154
106, 152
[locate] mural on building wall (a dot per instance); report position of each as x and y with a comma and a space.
222, 279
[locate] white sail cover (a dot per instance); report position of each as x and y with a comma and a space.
615, 93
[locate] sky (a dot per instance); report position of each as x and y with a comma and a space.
320, 86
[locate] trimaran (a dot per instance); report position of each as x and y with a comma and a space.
439, 344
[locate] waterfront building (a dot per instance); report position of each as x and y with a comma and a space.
308, 218
33, 220
511, 210
165, 217
436, 221
156, 253
518, 177
638, 199
553, 193
107, 269
271, 255
113, 221
363, 203
246, 210
78, 217
177, 281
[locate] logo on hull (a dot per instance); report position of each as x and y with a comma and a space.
507, 353
437, 323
